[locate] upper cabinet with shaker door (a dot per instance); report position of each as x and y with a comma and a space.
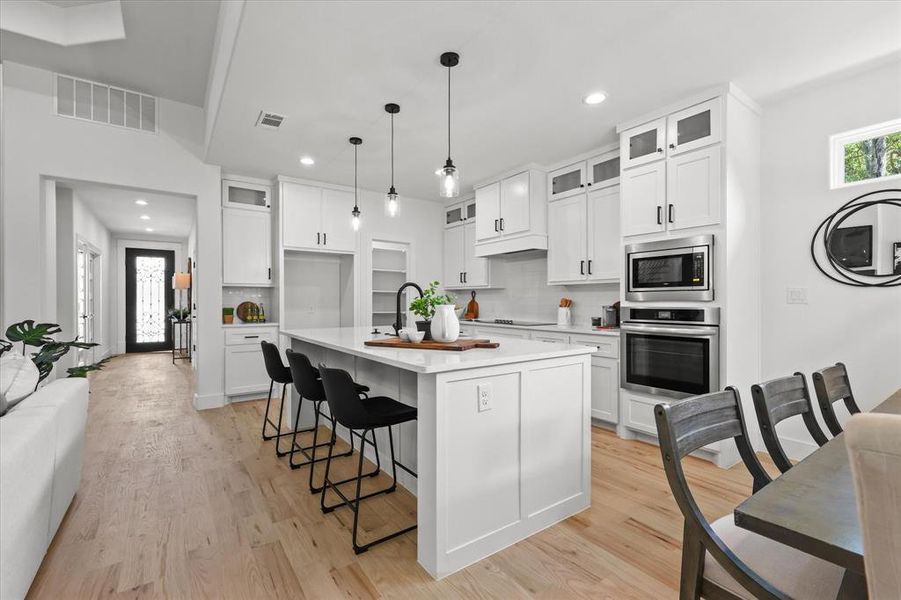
240, 194
511, 214
316, 218
643, 199
695, 127
246, 247
462, 268
643, 144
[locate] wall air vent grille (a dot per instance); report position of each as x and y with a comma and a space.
270, 120
101, 103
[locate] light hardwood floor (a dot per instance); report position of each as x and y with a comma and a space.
178, 503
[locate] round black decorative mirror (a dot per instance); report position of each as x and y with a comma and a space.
860, 243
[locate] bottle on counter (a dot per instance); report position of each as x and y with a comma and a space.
262, 315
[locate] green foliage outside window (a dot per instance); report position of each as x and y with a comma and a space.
876, 157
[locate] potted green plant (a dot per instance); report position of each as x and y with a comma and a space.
179, 314
425, 307
228, 315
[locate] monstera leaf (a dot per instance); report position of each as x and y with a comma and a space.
30, 334
83, 370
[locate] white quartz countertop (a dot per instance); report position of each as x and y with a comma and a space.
571, 329
350, 341
240, 325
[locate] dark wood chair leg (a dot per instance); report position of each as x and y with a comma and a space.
693, 554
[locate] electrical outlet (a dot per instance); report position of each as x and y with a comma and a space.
484, 397
796, 295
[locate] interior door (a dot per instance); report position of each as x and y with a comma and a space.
643, 197
475, 268
515, 204
604, 247
453, 257
693, 188
148, 298
87, 263
337, 229
488, 208
566, 251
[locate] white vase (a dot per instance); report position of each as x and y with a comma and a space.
445, 325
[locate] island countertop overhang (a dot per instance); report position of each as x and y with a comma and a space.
350, 340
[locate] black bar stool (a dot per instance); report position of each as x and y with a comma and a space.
278, 373
309, 386
367, 415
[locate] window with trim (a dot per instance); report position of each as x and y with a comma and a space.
866, 155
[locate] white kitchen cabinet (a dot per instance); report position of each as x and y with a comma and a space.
604, 246
245, 371
643, 144
583, 238
567, 245
316, 218
241, 194
499, 333
488, 208
643, 198
462, 268
605, 388
460, 212
694, 127
693, 188
454, 241
515, 204
566, 181
246, 247
603, 170
549, 336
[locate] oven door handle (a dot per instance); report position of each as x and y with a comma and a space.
671, 331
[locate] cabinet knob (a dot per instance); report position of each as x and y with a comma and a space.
660, 150
581, 185
672, 146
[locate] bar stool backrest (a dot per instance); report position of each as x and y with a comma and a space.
304, 375
343, 400
275, 368
832, 384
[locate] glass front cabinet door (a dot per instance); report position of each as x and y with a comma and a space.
694, 127
642, 144
566, 181
603, 170
238, 194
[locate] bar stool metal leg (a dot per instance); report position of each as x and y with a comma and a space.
266, 414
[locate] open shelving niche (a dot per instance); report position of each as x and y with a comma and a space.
390, 268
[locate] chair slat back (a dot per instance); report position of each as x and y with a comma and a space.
778, 399
832, 384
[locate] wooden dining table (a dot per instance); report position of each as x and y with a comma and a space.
812, 507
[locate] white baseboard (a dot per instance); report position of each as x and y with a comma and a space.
205, 401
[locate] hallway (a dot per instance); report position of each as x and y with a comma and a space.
178, 503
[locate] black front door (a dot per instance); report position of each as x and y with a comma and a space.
148, 298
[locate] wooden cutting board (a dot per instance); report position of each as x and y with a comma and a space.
459, 345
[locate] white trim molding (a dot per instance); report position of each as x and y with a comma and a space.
837, 145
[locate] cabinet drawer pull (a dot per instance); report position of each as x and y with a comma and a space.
325, 239
660, 215
589, 266
464, 276
669, 216
251, 337
317, 238
582, 267
495, 225
502, 223
269, 273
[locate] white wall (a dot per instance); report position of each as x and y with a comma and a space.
525, 294
860, 327
39, 144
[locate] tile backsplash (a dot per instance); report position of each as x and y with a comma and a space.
233, 296
525, 294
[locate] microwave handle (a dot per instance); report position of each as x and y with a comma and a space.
671, 331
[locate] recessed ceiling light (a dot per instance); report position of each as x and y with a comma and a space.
145, 217
306, 160
594, 98
149, 229
140, 202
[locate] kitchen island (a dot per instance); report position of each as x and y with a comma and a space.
501, 445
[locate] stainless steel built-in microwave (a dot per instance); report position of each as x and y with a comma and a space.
679, 269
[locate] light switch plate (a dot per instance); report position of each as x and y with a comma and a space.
484, 391
796, 295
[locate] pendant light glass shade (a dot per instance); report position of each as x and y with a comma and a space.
392, 207
355, 213
448, 175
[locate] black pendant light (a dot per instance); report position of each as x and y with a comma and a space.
449, 176
355, 213
391, 205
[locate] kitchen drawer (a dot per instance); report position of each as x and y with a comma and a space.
607, 345
245, 371
250, 335
549, 336
502, 333
640, 413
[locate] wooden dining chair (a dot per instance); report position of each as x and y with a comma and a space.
719, 559
874, 450
778, 399
832, 384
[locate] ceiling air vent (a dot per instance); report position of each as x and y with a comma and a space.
269, 120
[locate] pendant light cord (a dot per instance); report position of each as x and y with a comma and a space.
448, 113
392, 151
355, 178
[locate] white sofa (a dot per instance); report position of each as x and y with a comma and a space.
41, 448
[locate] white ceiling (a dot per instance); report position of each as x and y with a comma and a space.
170, 216
331, 66
166, 51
